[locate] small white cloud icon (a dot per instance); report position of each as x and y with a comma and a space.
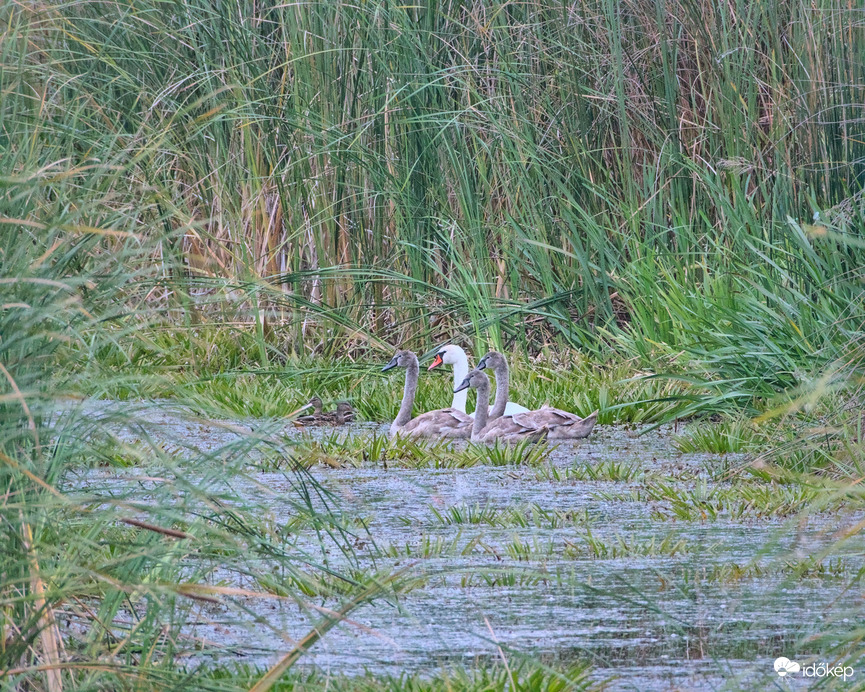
784, 666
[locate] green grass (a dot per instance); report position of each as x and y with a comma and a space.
340, 449
434, 152
806, 568
676, 232
589, 225
517, 676
727, 437
224, 383
587, 545
532, 516
524, 453
505, 579
609, 470
742, 500
435, 547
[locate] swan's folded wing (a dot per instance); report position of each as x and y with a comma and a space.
508, 429
576, 430
454, 417
462, 416
508, 425
551, 417
548, 415
436, 421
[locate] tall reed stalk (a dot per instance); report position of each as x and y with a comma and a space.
496, 170
96, 581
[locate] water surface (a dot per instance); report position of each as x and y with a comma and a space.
654, 621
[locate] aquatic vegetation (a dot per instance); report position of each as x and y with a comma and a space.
608, 470
531, 516
731, 436
346, 449
529, 548
430, 546
324, 585
504, 578
109, 451
519, 675
687, 253
805, 568
341, 448
780, 440
468, 514
584, 545
587, 545
702, 502
526, 453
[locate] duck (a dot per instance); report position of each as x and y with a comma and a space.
441, 423
316, 404
503, 428
562, 425
454, 355
344, 413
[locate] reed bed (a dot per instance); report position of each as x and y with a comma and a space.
641, 175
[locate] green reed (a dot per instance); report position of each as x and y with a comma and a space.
585, 175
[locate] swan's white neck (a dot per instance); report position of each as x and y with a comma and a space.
461, 370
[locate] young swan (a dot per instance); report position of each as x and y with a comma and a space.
505, 428
446, 422
561, 424
454, 355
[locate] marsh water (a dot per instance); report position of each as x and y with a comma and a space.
598, 572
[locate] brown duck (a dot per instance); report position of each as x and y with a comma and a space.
344, 413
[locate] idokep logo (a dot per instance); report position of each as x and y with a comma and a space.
784, 666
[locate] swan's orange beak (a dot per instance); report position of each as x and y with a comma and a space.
436, 362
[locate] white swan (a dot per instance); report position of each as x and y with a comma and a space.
454, 355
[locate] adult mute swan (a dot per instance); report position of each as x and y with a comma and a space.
446, 422
562, 425
454, 355
504, 428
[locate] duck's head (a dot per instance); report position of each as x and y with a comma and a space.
315, 402
475, 379
401, 359
447, 355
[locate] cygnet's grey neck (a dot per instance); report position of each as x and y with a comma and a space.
408, 393
502, 386
483, 403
